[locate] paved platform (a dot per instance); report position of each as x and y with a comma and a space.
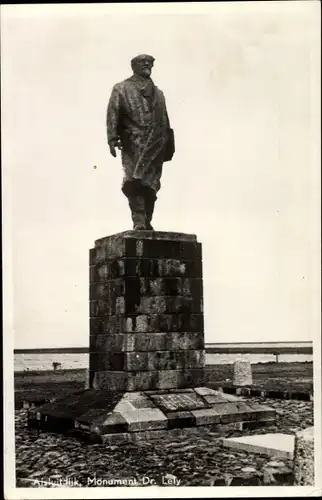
100, 415
298, 391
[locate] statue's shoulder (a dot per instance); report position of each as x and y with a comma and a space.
124, 84
119, 87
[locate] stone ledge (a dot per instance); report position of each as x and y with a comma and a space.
116, 247
149, 235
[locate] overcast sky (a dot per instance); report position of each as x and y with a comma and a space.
242, 84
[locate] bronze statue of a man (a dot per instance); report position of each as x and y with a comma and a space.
138, 124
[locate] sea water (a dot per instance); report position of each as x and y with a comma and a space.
44, 361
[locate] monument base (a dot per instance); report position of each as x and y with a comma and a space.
100, 416
146, 356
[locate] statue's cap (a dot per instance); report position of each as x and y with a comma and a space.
142, 56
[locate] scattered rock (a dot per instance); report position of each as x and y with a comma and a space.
275, 464
268, 477
248, 469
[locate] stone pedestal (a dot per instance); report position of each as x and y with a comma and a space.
146, 307
146, 346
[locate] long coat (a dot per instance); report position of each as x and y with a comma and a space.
137, 115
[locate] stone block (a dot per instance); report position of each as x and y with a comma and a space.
215, 398
109, 270
144, 342
163, 360
191, 359
111, 248
103, 361
114, 422
138, 361
222, 398
146, 380
165, 267
304, 457
166, 305
147, 268
167, 249
242, 373
260, 411
168, 379
143, 380
134, 304
105, 343
185, 341
171, 287
182, 322
112, 289
123, 405
135, 245
95, 326
192, 378
207, 416
233, 412
144, 323
180, 419
144, 419
141, 402
111, 381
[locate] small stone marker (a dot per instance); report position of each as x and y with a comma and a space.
304, 457
272, 445
242, 372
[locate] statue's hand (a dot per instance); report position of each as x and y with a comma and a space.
116, 143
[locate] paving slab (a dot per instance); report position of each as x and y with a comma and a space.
179, 401
272, 445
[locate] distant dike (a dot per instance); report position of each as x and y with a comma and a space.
52, 350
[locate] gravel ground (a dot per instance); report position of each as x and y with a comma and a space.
194, 460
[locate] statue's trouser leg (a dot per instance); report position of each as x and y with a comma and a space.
149, 208
137, 207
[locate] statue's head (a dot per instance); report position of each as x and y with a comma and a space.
142, 65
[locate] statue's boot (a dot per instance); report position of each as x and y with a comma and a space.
149, 208
137, 207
